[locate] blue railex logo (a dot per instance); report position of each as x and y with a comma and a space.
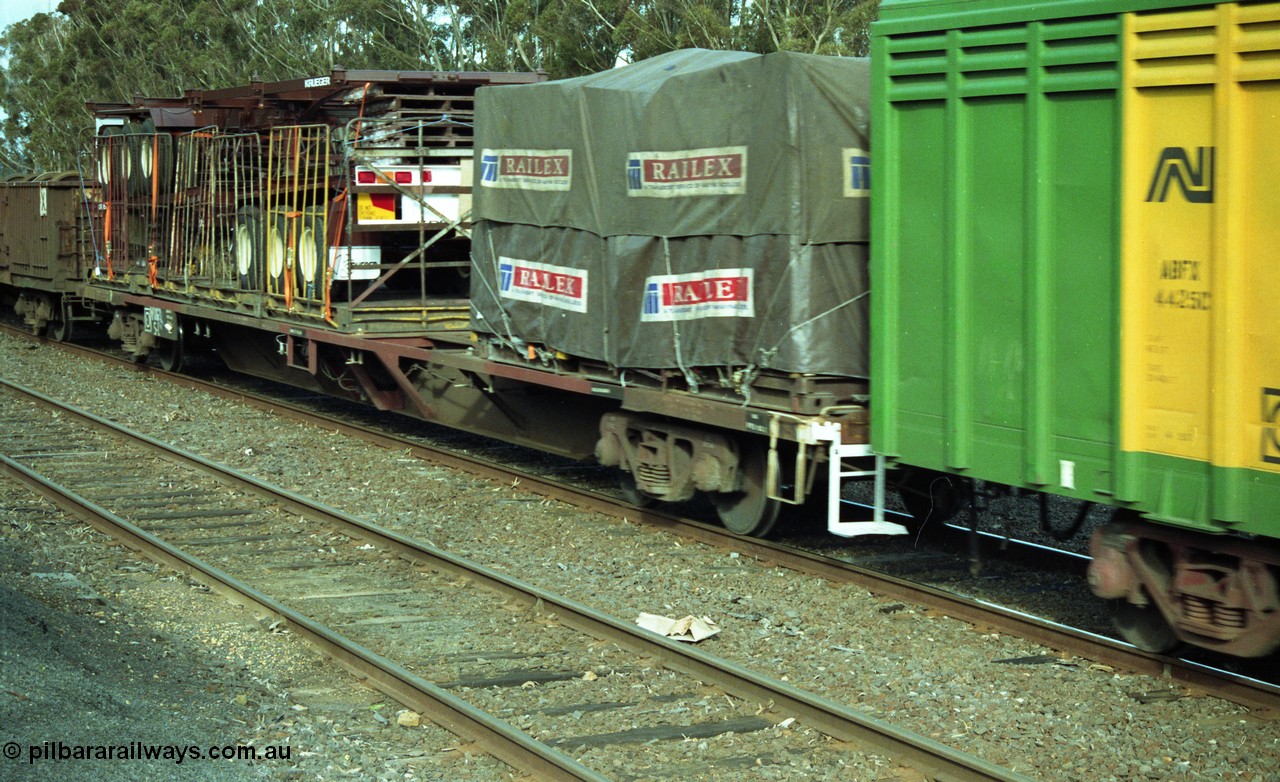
857, 172
1194, 178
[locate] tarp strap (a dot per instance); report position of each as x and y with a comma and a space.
511, 340
689, 377
817, 317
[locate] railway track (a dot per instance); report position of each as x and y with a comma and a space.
316, 569
1261, 696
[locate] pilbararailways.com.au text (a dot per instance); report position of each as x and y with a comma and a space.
136, 750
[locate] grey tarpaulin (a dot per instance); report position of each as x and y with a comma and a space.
699, 209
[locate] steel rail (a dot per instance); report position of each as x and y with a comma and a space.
1262, 697
504, 742
926, 755
1254, 694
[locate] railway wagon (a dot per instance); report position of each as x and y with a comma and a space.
697, 223
1075, 285
236, 215
43, 252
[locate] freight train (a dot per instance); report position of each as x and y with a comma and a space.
1058, 282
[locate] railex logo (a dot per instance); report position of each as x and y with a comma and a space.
723, 293
1174, 166
489, 168
687, 172
561, 287
526, 169
857, 173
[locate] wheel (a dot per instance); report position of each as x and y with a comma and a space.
247, 247
930, 496
748, 512
309, 268
1143, 626
61, 329
631, 493
136, 139
277, 247
170, 352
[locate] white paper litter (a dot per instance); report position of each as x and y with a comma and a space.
691, 628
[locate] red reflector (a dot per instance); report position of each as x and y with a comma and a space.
426, 176
365, 178
404, 177
384, 201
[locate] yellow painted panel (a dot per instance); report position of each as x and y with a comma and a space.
1200, 352
1167, 277
1257, 417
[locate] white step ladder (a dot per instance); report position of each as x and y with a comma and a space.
848, 460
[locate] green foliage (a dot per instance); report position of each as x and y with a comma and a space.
113, 50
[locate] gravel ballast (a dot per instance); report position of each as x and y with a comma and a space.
1052, 718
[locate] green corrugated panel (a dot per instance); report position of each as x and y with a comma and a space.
899, 17
994, 246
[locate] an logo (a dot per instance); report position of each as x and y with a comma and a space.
527, 169
687, 172
1271, 425
857, 172
1195, 180
723, 293
541, 283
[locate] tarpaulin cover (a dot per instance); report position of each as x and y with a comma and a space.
696, 209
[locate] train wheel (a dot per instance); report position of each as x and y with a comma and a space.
1143, 626
749, 512
60, 327
60, 330
930, 497
170, 352
631, 493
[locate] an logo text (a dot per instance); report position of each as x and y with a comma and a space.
1174, 166
1271, 425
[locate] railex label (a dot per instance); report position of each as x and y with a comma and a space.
687, 172
722, 293
542, 283
526, 169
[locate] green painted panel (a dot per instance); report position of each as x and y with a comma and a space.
899, 17
1080, 169
913, 340
995, 247
993, 168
